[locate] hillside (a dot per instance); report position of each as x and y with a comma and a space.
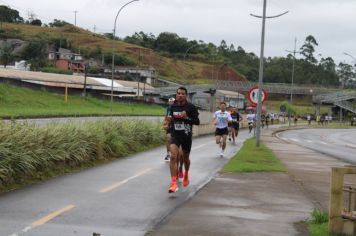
85, 42
45, 104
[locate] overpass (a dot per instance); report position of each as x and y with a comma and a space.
343, 99
245, 86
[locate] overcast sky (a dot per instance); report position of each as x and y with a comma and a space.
331, 22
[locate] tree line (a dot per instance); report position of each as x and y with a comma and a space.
308, 69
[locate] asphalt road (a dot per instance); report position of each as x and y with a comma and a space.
338, 143
126, 197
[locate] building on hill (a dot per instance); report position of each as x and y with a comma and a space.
67, 60
138, 74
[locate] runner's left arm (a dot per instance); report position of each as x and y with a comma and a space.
194, 116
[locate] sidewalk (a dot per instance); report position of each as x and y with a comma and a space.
258, 203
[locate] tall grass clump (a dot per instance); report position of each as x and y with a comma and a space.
28, 151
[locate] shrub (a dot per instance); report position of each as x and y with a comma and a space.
27, 149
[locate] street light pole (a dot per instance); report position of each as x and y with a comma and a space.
293, 66
185, 54
260, 73
113, 54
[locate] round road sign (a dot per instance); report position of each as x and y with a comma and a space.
253, 95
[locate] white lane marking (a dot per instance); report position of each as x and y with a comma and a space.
324, 143
294, 139
118, 184
309, 141
351, 145
197, 147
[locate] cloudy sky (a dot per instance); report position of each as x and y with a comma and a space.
331, 22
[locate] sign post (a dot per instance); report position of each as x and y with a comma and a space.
253, 96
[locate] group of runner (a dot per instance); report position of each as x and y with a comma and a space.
178, 123
227, 123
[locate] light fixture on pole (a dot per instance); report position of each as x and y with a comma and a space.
353, 58
260, 73
113, 54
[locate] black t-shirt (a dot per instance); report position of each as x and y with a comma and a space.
183, 126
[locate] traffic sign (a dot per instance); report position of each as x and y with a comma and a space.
253, 95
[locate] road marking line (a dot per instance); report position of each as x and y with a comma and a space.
324, 143
309, 141
351, 145
197, 147
51, 216
113, 186
295, 140
44, 220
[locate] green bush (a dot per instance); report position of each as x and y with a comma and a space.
319, 217
27, 149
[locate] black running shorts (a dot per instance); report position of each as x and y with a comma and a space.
182, 141
221, 132
235, 125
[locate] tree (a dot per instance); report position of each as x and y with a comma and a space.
345, 73
35, 52
58, 23
308, 49
9, 15
5, 54
36, 22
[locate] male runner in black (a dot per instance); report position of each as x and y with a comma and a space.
183, 116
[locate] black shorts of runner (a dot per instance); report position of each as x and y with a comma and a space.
221, 132
235, 125
182, 141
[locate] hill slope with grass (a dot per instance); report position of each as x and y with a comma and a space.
21, 102
91, 45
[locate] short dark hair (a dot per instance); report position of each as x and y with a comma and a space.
182, 88
223, 103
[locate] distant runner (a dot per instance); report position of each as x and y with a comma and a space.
167, 128
235, 124
251, 118
182, 117
221, 120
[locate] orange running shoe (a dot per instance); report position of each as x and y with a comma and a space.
185, 179
180, 174
174, 186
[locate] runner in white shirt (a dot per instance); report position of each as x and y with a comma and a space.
251, 118
221, 120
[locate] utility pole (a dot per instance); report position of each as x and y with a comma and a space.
293, 66
75, 17
260, 74
94, 28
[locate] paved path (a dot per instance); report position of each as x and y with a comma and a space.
258, 203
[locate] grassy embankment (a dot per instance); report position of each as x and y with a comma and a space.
252, 159
21, 102
31, 153
255, 159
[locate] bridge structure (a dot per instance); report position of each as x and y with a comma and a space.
245, 86
343, 99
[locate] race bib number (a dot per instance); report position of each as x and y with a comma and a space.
179, 126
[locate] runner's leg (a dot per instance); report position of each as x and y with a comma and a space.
173, 167
180, 163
